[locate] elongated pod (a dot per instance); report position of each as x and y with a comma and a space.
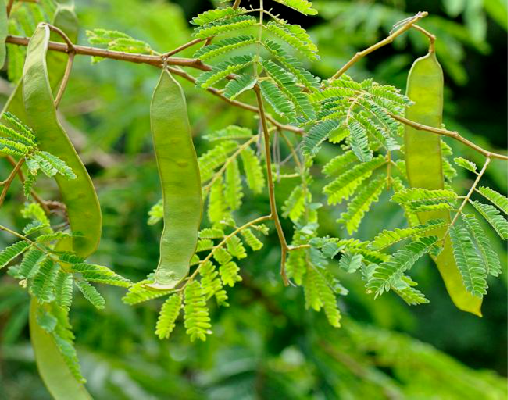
3, 31
180, 180
424, 167
83, 209
56, 374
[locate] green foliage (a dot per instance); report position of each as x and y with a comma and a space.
386, 275
303, 6
197, 320
464, 163
493, 217
388, 238
253, 171
473, 272
10, 253
496, 198
168, 314
222, 70
237, 86
425, 199
346, 184
224, 46
91, 294
361, 203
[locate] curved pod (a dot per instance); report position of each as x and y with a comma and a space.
180, 181
52, 367
78, 194
425, 87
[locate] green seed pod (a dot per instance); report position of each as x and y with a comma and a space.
180, 181
3, 31
78, 194
51, 365
425, 87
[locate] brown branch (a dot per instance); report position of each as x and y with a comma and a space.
7, 183
32, 192
236, 4
389, 39
68, 67
9, 7
271, 190
182, 47
116, 55
445, 132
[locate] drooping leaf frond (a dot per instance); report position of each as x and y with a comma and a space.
196, 318
235, 247
233, 189
214, 158
291, 64
317, 135
346, 184
425, 199
212, 284
493, 217
302, 6
294, 206
216, 14
231, 132
253, 171
236, 87
474, 273
296, 37
167, 316
29, 265
226, 25
464, 163
251, 239
11, 252
388, 238
487, 254
64, 285
407, 292
361, 204
91, 294
279, 101
319, 295
339, 164
495, 198
43, 284
222, 70
224, 46
359, 141
287, 84
140, 292
387, 274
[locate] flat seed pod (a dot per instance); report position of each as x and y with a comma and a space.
78, 194
180, 181
425, 87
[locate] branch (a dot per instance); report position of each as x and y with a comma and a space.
445, 132
116, 55
379, 44
7, 183
273, 206
470, 193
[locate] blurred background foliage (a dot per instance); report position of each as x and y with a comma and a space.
266, 346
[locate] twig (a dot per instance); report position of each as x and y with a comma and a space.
379, 44
182, 47
432, 38
236, 4
32, 192
271, 190
68, 67
223, 242
7, 183
227, 162
445, 132
470, 193
9, 7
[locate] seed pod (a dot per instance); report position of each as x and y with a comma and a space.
180, 180
79, 196
3, 31
425, 87
51, 365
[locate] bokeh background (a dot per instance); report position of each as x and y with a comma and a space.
266, 345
